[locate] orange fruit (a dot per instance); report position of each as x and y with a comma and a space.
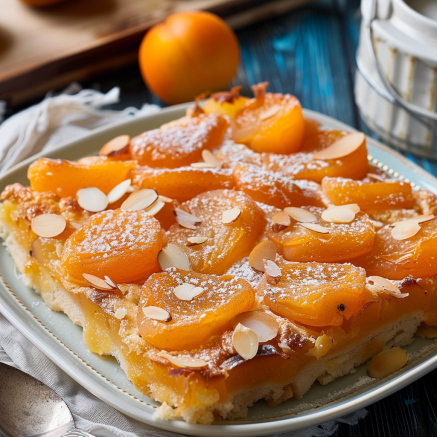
192, 321
189, 53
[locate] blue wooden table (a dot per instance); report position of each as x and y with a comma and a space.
310, 53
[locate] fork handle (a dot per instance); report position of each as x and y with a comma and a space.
74, 432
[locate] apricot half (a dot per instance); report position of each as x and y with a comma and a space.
316, 294
226, 243
193, 321
369, 196
339, 242
123, 245
66, 178
179, 145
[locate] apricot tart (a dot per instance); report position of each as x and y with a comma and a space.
239, 253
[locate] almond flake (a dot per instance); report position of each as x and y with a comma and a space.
120, 313
210, 158
405, 230
343, 147
231, 215
386, 285
272, 271
190, 362
280, 221
194, 241
97, 282
266, 250
173, 256
352, 206
118, 191
155, 208
140, 200
59, 249
110, 282
92, 199
75, 225
48, 225
185, 223
180, 213
377, 224
300, 215
187, 291
315, 227
157, 313
263, 324
130, 189
165, 199
338, 214
115, 146
202, 165
418, 219
270, 112
245, 342
375, 177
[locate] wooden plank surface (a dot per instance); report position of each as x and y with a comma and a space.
310, 52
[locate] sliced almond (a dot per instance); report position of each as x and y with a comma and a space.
130, 189
157, 313
377, 224
272, 271
140, 200
195, 241
419, 219
59, 249
405, 230
266, 250
180, 213
375, 177
300, 215
263, 324
75, 225
202, 165
386, 285
190, 362
115, 146
155, 208
173, 256
270, 112
338, 214
92, 199
120, 313
315, 227
118, 191
185, 223
110, 282
352, 206
280, 221
165, 199
97, 282
187, 291
231, 215
48, 225
245, 342
210, 158
343, 147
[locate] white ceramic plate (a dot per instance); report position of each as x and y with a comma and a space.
62, 342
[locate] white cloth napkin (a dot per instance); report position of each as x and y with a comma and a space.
41, 127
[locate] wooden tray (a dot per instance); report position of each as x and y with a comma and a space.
47, 48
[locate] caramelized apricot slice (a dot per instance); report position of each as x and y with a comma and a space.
316, 294
180, 145
274, 189
270, 122
225, 103
192, 321
397, 259
319, 140
302, 166
182, 183
373, 195
123, 245
324, 241
66, 178
227, 243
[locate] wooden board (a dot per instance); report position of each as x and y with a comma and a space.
47, 48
